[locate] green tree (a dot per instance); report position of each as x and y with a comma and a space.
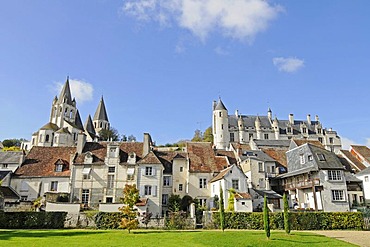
131, 138
266, 219
130, 197
13, 142
231, 200
198, 136
174, 203
222, 209
185, 203
110, 134
208, 136
286, 214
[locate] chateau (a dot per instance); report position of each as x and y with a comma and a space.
65, 123
244, 128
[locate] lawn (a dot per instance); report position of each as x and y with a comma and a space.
160, 238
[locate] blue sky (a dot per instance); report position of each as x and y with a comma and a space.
160, 64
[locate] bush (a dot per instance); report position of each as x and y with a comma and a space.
178, 221
105, 220
32, 220
299, 220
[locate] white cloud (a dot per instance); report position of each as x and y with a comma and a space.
347, 142
81, 90
221, 51
237, 19
289, 64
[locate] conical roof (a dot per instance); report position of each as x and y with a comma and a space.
78, 121
66, 93
101, 112
89, 127
220, 105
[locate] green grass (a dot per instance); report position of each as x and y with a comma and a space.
57, 238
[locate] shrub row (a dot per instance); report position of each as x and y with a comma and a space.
299, 220
105, 220
32, 220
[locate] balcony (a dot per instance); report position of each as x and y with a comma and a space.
302, 184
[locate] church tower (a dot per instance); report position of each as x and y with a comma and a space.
100, 120
220, 125
63, 108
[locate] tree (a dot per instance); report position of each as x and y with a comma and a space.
231, 200
174, 203
13, 142
266, 219
216, 202
286, 214
146, 217
131, 138
130, 197
222, 209
198, 136
208, 136
110, 134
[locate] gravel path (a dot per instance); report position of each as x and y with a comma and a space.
360, 238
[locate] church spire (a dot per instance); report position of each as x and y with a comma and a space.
65, 95
101, 112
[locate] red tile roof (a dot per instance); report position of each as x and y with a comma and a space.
150, 158
242, 195
361, 150
40, 162
202, 158
221, 175
229, 154
300, 142
358, 166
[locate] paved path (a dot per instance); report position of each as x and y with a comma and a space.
361, 238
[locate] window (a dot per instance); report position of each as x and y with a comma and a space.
85, 196
266, 136
260, 167
180, 187
289, 130
320, 139
232, 137
272, 169
59, 167
181, 168
220, 114
47, 138
111, 169
166, 180
310, 158
304, 130
164, 199
24, 198
5, 165
148, 171
110, 183
202, 183
222, 126
235, 183
203, 202
331, 140
319, 131
109, 200
337, 195
302, 159
366, 178
321, 157
147, 190
335, 175
54, 186
250, 136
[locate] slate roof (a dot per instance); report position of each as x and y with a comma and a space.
272, 143
256, 154
9, 193
202, 158
366, 171
10, 157
270, 194
167, 158
101, 112
355, 163
243, 147
78, 121
220, 105
65, 93
89, 127
3, 174
278, 155
40, 162
351, 178
363, 151
331, 160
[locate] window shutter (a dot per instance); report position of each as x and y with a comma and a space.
154, 192
326, 175
142, 171
141, 192
154, 171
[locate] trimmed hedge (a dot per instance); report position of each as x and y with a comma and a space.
104, 220
299, 220
32, 220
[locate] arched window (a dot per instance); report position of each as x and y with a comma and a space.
55, 111
101, 125
66, 112
40, 139
71, 114
47, 138
60, 111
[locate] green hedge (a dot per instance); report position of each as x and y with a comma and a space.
105, 220
299, 220
32, 220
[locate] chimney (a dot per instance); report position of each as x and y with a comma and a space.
236, 113
309, 119
291, 118
81, 141
22, 158
147, 144
317, 118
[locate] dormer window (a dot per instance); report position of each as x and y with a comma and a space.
321, 157
304, 130
289, 129
59, 165
319, 131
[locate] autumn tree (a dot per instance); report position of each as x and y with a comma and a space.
208, 136
130, 197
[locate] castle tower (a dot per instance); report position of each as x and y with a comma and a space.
275, 126
241, 129
101, 118
63, 108
220, 126
257, 124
